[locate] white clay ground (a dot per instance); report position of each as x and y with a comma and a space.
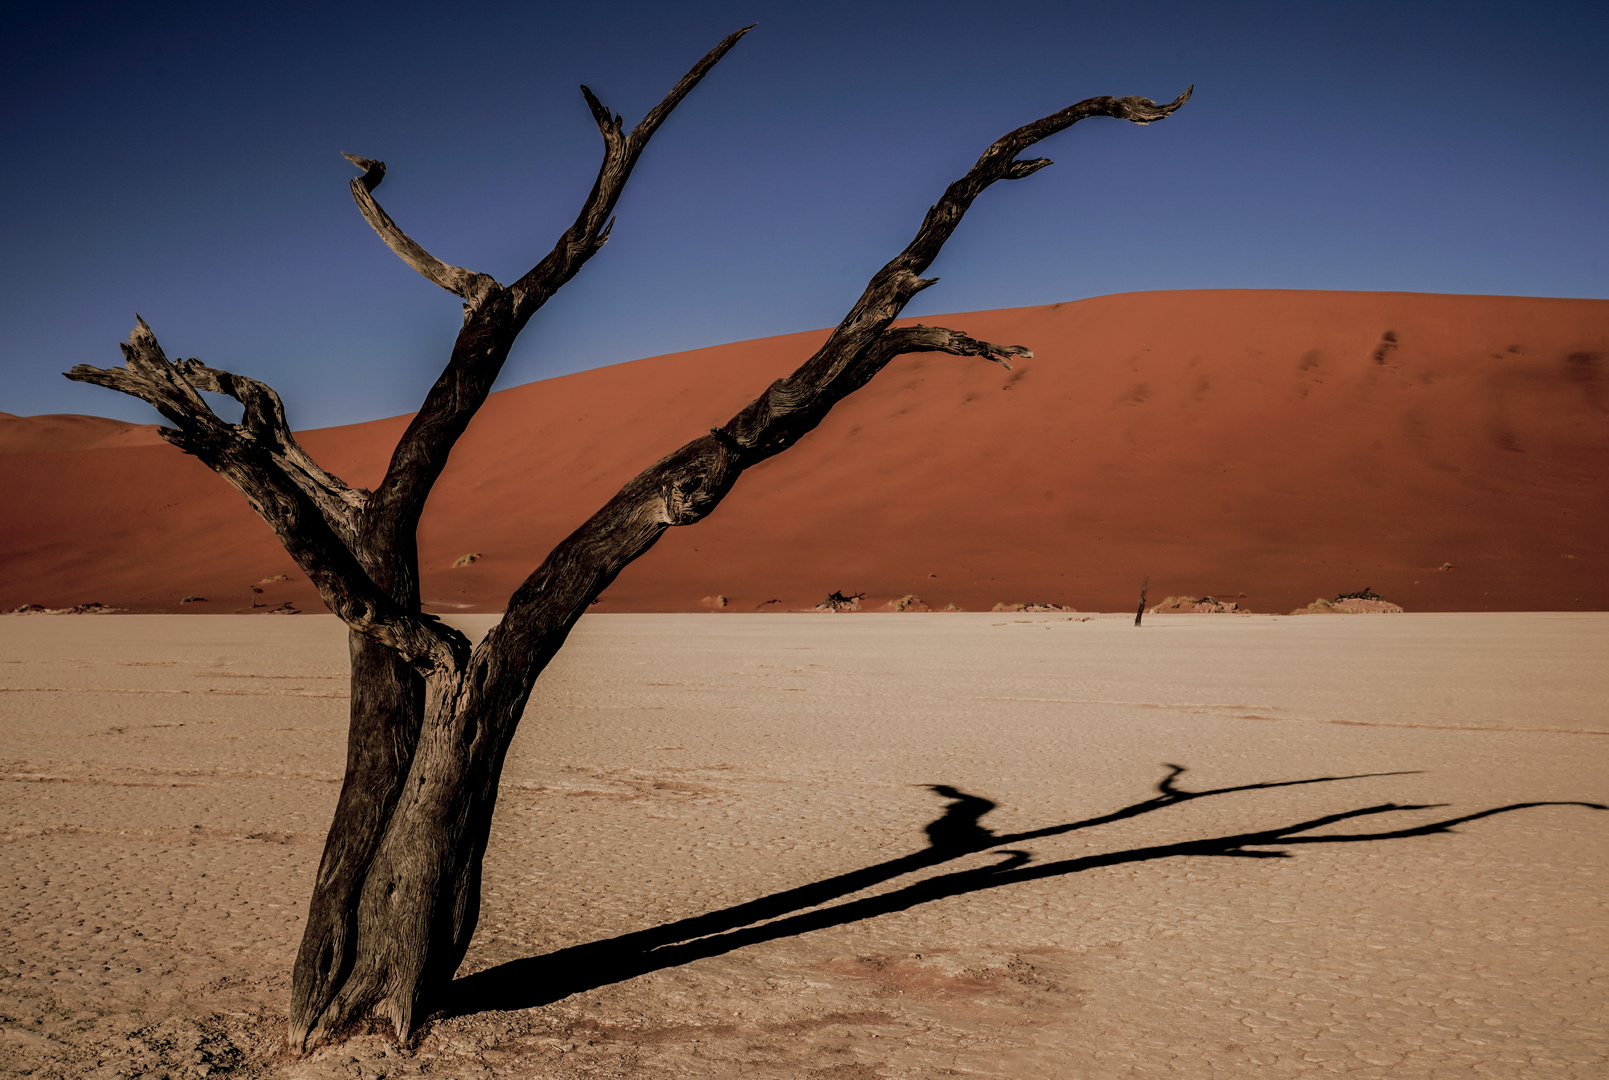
167, 782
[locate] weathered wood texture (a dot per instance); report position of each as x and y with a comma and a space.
397, 895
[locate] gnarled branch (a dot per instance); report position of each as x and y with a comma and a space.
172, 389
263, 420
308, 509
469, 284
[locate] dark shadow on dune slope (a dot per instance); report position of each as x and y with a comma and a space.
540, 980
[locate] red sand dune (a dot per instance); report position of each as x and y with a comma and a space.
1268, 447
43, 434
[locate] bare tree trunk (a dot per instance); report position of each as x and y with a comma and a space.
387, 707
398, 891
1139, 612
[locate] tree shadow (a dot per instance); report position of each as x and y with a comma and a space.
541, 980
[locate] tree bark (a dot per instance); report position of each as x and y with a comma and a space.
386, 711
397, 896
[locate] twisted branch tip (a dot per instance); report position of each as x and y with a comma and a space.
1152, 112
373, 171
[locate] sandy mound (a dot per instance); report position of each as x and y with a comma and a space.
1190, 605
1270, 446
1349, 607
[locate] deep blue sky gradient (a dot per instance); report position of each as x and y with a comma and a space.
182, 161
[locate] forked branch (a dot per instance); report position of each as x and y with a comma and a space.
792, 407
679, 489
686, 485
491, 327
892, 287
472, 286
620, 152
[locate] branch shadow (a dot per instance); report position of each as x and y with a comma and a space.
541, 980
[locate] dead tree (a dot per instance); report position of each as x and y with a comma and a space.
398, 891
836, 601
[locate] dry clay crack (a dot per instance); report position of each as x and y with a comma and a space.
27, 831
208, 690
213, 779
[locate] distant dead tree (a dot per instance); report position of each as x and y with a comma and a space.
397, 894
1139, 612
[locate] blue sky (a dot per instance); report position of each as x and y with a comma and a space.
183, 161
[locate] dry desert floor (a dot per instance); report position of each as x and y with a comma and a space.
849, 846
